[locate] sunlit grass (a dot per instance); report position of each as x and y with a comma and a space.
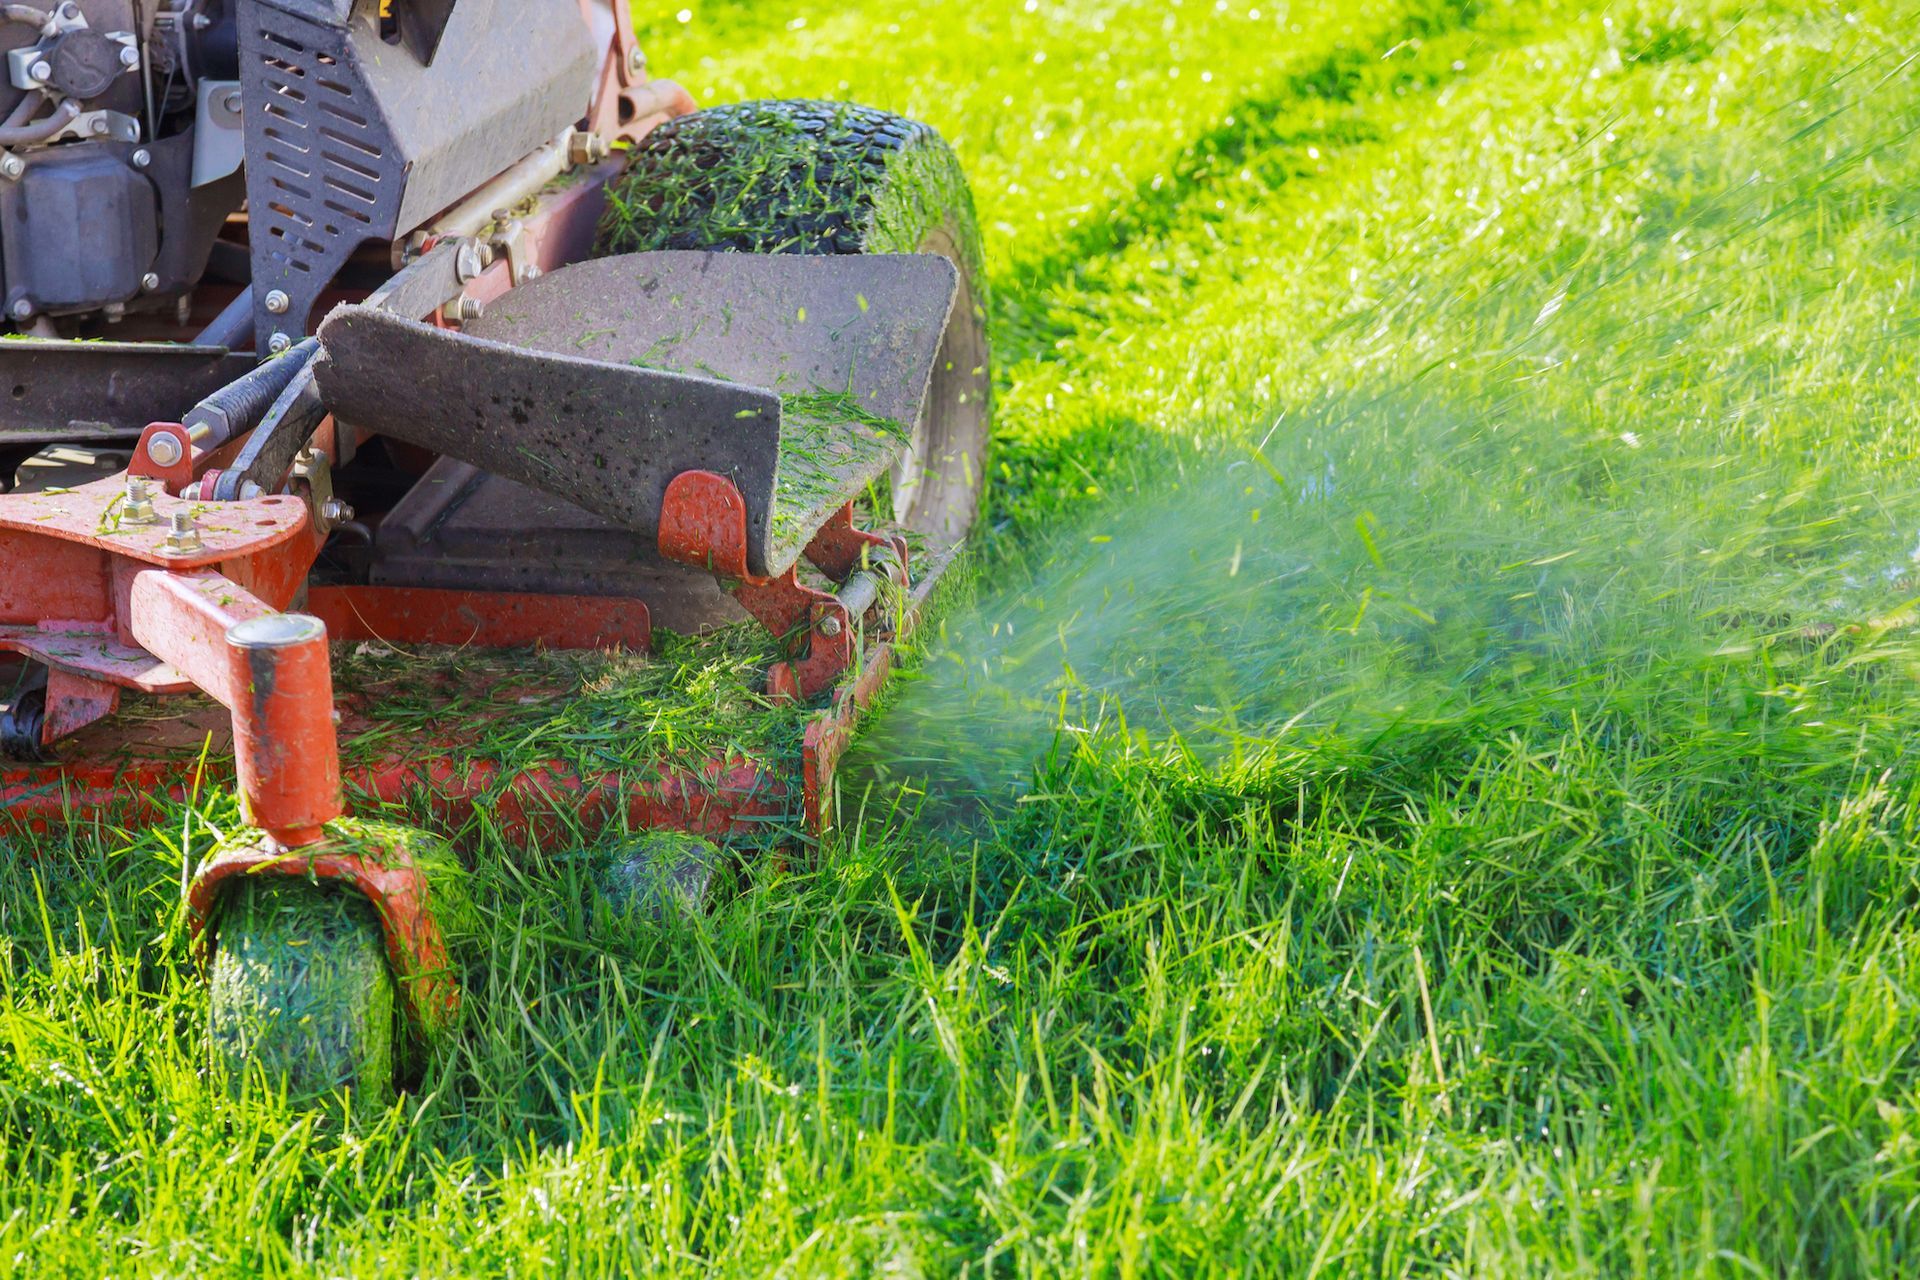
1433, 725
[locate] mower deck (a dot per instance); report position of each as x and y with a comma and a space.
444, 732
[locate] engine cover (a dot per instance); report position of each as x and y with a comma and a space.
78, 231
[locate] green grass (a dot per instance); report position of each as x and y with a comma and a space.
1423, 788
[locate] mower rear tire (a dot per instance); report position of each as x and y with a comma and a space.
834, 178
303, 994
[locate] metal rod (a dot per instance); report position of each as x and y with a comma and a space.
232, 326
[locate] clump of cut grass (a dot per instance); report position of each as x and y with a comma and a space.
694, 698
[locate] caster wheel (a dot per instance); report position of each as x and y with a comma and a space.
303, 995
659, 872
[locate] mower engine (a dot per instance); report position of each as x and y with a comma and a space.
119, 154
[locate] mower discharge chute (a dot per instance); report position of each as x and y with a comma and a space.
543, 359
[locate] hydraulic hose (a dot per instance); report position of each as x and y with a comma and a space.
22, 135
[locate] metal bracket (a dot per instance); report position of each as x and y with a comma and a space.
113, 126
311, 477
703, 522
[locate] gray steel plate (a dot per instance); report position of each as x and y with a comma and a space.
54, 392
797, 377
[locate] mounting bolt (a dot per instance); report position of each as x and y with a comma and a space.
129, 57
12, 166
22, 308
531, 273
278, 301
99, 125
142, 158
585, 148
462, 309
471, 258
182, 538
637, 63
334, 511
164, 448
138, 508
150, 281
41, 70
830, 625
279, 344
231, 102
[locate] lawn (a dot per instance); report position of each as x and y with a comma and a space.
1421, 783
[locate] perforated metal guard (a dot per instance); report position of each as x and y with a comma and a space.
323, 172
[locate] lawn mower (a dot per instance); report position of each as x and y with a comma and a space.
414, 323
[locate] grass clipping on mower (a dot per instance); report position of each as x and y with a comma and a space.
774, 177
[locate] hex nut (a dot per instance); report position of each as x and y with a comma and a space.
22, 308
183, 539
585, 148
278, 301
279, 344
142, 158
164, 448
138, 508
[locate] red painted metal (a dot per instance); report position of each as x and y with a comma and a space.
182, 619
560, 231
74, 702
73, 608
831, 731
90, 651
273, 672
175, 477
839, 549
703, 522
449, 779
390, 879
92, 516
626, 104
488, 619
68, 580
285, 752
721, 798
